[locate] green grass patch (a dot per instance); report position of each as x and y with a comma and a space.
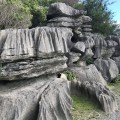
83, 109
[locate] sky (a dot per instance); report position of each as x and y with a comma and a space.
115, 8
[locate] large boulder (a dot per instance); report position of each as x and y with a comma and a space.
44, 98
108, 68
63, 10
89, 73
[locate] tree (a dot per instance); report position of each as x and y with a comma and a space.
101, 16
14, 15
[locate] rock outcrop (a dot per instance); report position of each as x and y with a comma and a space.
30, 60
108, 68
44, 98
91, 84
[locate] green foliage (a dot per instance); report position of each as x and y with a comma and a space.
101, 16
14, 15
117, 78
70, 75
89, 61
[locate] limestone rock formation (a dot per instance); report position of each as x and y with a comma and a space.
30, 60
117, 61
32, 68
38, 42
91, 84
44, 98
108, 68
63, 10
88, 73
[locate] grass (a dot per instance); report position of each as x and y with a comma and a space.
83, 109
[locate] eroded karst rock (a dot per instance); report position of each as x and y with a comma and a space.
108, 68
44, 98
38, 42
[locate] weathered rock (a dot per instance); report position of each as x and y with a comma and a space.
86, 19
87, 30
64, 24
88, 73
63, 10
66, 19
108, 68
88, 54
72, 58
32, 68
79, 47
103, 48
96, 92
89, 42
44, 42
117, 61
36, 99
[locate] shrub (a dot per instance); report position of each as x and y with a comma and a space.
70, 75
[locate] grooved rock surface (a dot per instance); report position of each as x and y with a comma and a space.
36, 99
108, 68
43, 42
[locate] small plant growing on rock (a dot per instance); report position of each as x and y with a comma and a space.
70, 75
118, 78
89, 61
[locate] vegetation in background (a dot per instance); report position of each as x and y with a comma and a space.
14, 15
102, 17
70, 75
117, 78
32, 13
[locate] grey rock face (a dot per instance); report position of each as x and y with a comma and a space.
117, 61
79, 47
41, 42
63, 10
103, 48
36, 99
97, 92
108, 68
89, 73
64, 24
65, 19
32, 68
91, 84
